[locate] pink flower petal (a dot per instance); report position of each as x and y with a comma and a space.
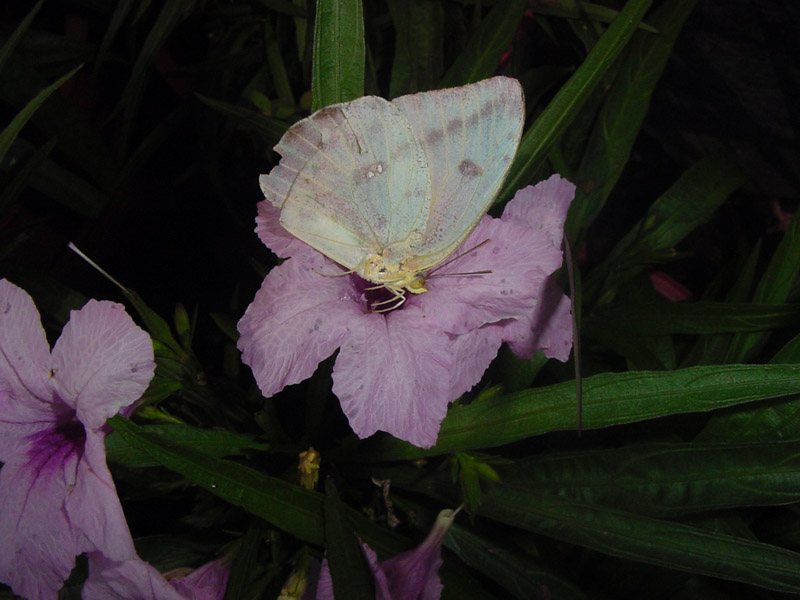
39, 544
392, 374
93, 505
472, 353
24, 351
101, 362
548, 328
272, 233
543, 207
138, 580
297, 319
518, 260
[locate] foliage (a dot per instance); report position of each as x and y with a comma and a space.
685, 481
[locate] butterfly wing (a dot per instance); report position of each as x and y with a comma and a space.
469, 135
352, 180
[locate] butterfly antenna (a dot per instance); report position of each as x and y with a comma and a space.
576, 339
447, 262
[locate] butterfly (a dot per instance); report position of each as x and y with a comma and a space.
389, 189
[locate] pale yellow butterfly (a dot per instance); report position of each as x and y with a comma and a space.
390, 189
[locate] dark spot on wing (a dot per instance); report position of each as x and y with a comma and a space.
469, 168
454, 125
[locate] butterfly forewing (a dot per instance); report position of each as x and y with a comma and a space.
469, 136
353, 180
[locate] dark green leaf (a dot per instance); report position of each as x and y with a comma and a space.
339, 53
524, 578
417, 61
566, 104
9, 134
693, 318
350, 574
17, 34
271, 130
667, 480
773, 288
580, 10
214, 442
608, 399
621, 117
642, 539
481, 57
688, 203
289, 507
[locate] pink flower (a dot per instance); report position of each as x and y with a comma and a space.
57, 498
397, 371
138, 580
412, 575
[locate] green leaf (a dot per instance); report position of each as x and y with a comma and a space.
687, 204
621, 116
9, 134
245, 561
214, 442
773, 288
580, 10
172, 13
121, 12
350, 574
692, 318
641, 539
17, 185
339, 53
481, 57
608, 399
666, 480
566, 104
271, 130
17, 34
789, 354
417, 63
288, 507
524, 578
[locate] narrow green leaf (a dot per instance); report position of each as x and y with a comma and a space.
214, 442
608, 399
245, 560
666, 480
693, 318
773, 288
9, 134
17, 34
350, 574
641, 539
481, 57
172, 13
339, 53
524, 578
271, 130
15, 187
687, 204
581, 10
711, 350
289, 507
566, 104
620, 119
121, 12
417, 62
277, 68
789, 354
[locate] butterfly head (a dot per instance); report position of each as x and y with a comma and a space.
392, 275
